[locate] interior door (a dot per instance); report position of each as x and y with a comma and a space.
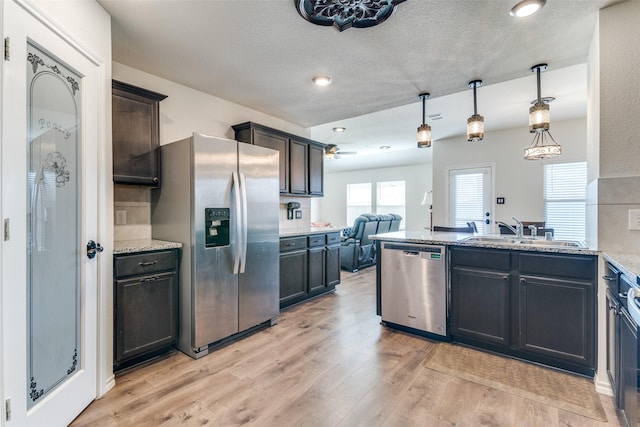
49, 182
470, 196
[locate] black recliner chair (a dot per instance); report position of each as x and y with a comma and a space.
357, 250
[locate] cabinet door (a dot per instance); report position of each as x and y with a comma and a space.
613, 338
557, 318
298, 154
332, 265
293, 277
316, 172
316, 268
480, 305
280, 144
146, 314
628, 400
135, 135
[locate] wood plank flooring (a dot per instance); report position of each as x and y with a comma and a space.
328, 362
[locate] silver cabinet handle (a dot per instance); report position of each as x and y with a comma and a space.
147, 263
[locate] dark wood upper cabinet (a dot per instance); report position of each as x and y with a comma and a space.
316, 170
301, 159
136, 135
298, 164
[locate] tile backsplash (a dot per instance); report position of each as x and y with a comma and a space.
132, 213
302, 224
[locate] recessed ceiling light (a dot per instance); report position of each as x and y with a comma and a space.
385, 147
339, 129
527, 7
322, 80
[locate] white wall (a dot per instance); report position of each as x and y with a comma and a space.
519, 181
333, 206
187, 110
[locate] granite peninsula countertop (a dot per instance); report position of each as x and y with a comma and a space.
627, 263
309, 231
142, 245
457, 239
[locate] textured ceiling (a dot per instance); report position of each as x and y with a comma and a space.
262, 54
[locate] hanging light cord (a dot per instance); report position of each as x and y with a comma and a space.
475, 100
423, 109
539, 89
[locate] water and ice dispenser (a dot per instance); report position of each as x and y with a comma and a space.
216, 227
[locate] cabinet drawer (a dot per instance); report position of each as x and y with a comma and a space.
293, 243
333, 239
575, 267
316, 240
489, 259
144, 263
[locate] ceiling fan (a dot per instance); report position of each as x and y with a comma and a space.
332, 151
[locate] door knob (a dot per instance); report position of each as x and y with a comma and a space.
93, 248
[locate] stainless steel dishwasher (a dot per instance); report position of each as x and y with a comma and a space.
414, 287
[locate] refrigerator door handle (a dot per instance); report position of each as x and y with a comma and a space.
243, 189
238, 214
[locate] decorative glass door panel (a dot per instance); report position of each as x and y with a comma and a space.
53, 223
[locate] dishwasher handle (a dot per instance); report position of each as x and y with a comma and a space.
411, 253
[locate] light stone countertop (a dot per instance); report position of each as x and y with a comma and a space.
457, 239
309, 231
627, 263
142, 245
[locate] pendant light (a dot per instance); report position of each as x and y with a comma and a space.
475, 123
424, 131
541, 147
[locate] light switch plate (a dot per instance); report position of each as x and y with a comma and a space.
634, 219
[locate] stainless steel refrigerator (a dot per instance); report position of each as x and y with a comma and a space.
220, 198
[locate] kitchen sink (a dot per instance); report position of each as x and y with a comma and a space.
528, 241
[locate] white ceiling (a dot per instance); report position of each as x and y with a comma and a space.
262, 54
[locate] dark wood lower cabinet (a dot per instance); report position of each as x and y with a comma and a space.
145, 306
316, 269
309, 266
480, 305
293, 276
332, 262
536, 306
555, 318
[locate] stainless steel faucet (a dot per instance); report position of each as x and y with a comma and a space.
518, 231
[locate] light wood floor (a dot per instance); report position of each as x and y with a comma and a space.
328, 362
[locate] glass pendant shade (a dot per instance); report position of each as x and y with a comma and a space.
539, 117
424, 136
475, 128
541, 148
424, 130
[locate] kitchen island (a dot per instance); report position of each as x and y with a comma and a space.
531, 299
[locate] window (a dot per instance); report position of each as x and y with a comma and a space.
358, 200
565, 187
390, 198
470, 197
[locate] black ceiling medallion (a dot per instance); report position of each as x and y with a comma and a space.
343, 14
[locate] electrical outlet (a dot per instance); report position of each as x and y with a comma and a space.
634, 219
121, 217
298, 214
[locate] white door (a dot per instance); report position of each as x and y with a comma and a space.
470, 196
49, 183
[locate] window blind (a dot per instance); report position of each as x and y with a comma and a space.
469, 199
565, 199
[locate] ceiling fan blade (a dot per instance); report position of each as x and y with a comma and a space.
347, 153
